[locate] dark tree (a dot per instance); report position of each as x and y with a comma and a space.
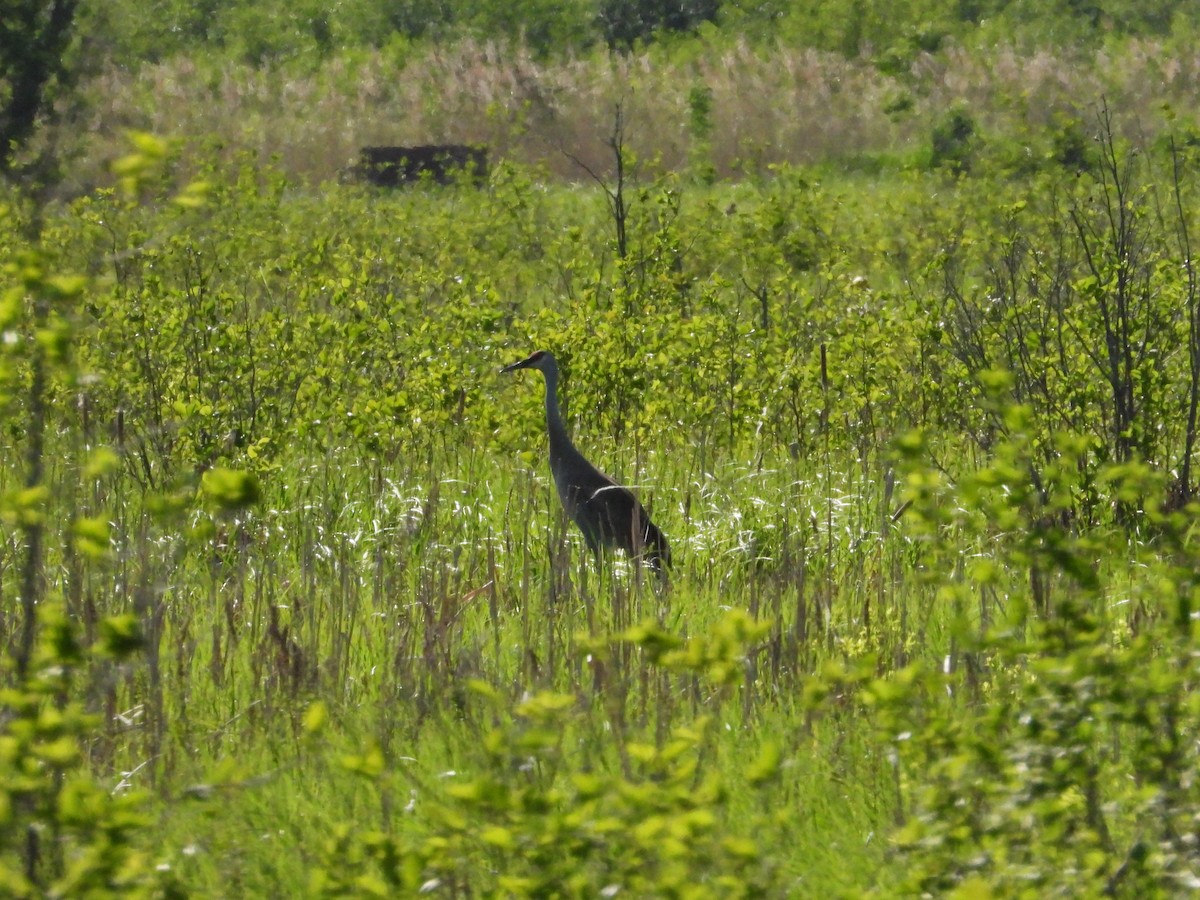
34, 39
625, 22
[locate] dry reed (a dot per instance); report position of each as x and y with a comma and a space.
769, 105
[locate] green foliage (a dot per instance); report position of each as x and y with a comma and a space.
229, 489
624, 23
62, 832
292, 542
36, 70
549, 809
1049, 752
951, 141
893, 34
1085, 346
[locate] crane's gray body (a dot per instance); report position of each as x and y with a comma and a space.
608, 514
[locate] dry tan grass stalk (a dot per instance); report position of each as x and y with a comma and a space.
770, 105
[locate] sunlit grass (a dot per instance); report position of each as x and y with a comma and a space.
381, 591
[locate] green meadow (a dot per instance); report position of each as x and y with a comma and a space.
290, 606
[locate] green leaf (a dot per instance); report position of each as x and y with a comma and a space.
230, 489
120, 635
102, 461
315, 717
92, 537
66, 287
497, 836
766, 767
147, 144
62, 753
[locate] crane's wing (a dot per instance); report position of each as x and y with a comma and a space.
615, 518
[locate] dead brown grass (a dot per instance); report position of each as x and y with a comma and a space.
770, 106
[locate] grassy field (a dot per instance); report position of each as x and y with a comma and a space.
313, 622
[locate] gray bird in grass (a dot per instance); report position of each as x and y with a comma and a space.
608, 514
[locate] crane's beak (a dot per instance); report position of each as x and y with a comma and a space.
523, 364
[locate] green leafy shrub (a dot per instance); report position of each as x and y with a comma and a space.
951, 141
1050, 752
62, 831
546, 809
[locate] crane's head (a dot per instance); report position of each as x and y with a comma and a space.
542, 359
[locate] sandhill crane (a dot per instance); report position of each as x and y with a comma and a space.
607, 513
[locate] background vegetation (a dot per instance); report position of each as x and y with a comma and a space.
289, 606
856, 84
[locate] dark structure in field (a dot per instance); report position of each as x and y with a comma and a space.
442, 163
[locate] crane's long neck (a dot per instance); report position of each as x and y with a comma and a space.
560, 441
